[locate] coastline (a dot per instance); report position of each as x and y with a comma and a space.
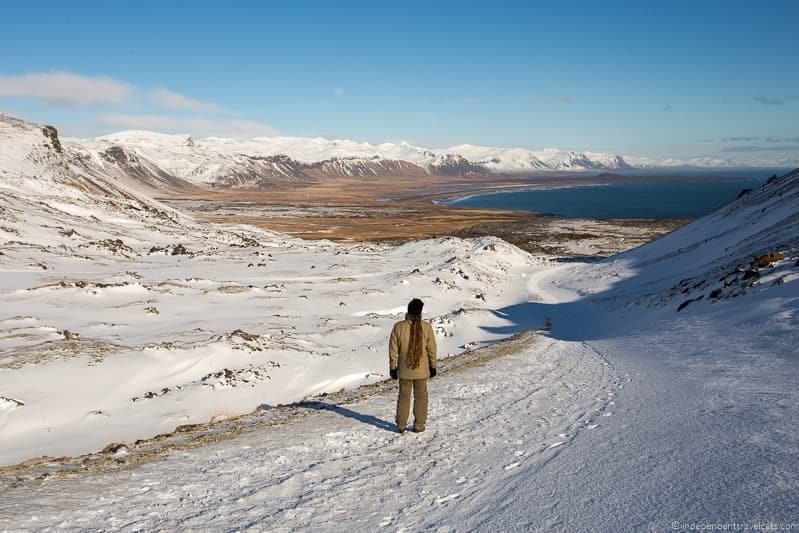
512, 188
397, 210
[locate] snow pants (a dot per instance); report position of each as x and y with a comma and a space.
419, 387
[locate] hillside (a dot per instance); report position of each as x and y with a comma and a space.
162, 321
652, 387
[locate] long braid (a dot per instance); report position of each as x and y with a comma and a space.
417, 341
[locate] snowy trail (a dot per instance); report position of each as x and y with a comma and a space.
344, 467
685, 420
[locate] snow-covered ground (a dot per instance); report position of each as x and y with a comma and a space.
632, 429
123, 319
662, 391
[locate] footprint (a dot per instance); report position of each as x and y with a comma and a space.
607, 414
556, 444
593, 426
386, 521
512, 466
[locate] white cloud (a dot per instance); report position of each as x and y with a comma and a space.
339, 92
65, 88
172, 100
197, 126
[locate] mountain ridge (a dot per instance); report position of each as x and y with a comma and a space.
179, 162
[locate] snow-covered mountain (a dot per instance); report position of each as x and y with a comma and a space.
217, 162
179, 162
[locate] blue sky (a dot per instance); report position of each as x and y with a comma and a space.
656, 79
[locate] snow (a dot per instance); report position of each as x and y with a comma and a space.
221, 162
101, 317
628, 396
206, 161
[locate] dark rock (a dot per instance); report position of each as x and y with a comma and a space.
52, 135
187, 428
715, 294
179, 249
116, 246
686, 303
244, 335
116, 447
751, 273
744, 193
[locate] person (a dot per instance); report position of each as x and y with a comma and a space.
412, 360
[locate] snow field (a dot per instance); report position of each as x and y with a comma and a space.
344, 467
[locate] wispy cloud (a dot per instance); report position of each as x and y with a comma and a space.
197, 126
338, 91
760, 148
775, 100
782, 140
559, 99
668, 109
65, 88
172, 100
740, 139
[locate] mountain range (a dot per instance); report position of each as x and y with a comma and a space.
168, 162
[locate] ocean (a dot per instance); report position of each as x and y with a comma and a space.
686, 198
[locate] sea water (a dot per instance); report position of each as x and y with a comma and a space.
688, 198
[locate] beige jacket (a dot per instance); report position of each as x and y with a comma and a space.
398, 350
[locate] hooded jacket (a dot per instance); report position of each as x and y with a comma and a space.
398, 348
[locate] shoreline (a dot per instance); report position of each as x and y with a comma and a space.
395, 210
512, 188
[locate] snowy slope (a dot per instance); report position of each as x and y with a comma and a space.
123, 319
748, 246
634, 411
627, 415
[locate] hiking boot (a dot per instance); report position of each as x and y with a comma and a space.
400, 430
417, 430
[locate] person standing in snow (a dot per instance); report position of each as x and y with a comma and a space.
412, 360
